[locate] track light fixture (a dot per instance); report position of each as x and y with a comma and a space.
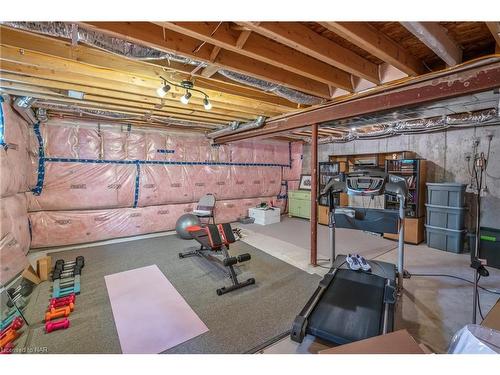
163, 89
185, 98
188, 86
207, 104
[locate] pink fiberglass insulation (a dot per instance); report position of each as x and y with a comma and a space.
16, 170
70, 186
59, 228
73, 186
14, 236
164, 184
77, 186
84, 201
84, 140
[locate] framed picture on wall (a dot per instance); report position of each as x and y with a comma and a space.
305, 182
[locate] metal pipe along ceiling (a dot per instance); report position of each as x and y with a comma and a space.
236, 127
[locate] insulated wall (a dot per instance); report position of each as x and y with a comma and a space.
99, 181
17, 174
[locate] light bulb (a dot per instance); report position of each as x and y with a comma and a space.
162, 90
185, 98
207, 104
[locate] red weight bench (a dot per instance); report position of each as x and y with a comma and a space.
215, 240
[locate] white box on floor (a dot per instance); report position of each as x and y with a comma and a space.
265, 217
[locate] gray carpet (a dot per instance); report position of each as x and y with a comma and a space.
237, 321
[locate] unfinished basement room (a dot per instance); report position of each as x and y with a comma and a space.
269, 187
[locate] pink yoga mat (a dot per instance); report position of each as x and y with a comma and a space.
150, 315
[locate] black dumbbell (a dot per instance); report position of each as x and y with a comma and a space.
68, 269
24, 288
19, 300
61, 264
62, 274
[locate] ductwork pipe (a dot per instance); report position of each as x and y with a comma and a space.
108, 115
282, 91
235, 127
485, 117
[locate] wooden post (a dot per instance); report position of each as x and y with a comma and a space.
314, 195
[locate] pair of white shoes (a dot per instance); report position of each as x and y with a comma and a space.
357, 262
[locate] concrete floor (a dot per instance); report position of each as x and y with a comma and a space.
432, 309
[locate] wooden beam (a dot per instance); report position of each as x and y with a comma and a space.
220, 86
131, 97
314, 195
242, 39
105, 106
494, 28
40, 65
264, 50
305, 40
56, 79
378, 44
152, 35
436, 37
51, 94
449, 84
211, 69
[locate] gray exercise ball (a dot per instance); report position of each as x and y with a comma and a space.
185, 221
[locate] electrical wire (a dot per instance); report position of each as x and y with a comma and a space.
203, 43
488, 158
478, 301
454, 277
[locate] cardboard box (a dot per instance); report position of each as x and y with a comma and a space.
492, 319
43, 267
399, 342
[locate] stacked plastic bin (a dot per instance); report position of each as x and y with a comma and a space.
445, 219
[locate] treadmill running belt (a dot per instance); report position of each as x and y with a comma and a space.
350, 309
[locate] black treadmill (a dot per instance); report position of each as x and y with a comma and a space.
352, 305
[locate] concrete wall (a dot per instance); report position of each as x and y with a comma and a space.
445, 152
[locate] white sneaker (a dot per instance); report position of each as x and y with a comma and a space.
363, 263
353, 262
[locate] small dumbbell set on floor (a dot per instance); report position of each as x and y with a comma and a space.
9, 333
66, 285
18, 295
64, 270
12, 319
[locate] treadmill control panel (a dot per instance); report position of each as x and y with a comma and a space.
365, 185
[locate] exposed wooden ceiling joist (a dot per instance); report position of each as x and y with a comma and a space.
87, 104
211, 69
155, 36
373, 41
263, 49
59, 79
131, 97
305, 40
219, 87
52, 94
41, 65
494, 28
436, 37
